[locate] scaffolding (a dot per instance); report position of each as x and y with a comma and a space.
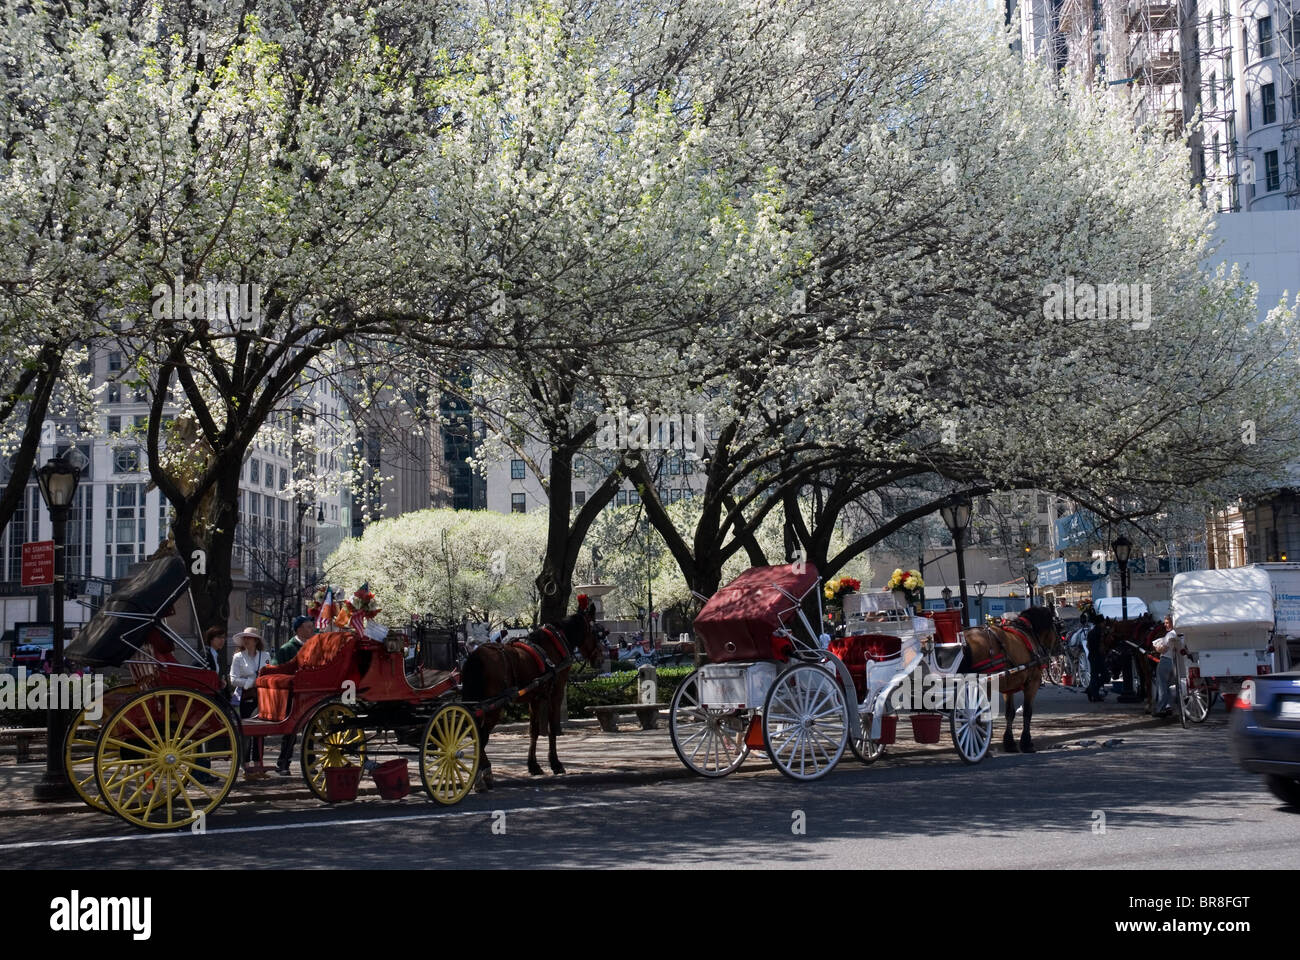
1215, 100
1288, 17
1076, 24
1155, 63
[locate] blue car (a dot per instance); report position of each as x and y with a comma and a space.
1266, 732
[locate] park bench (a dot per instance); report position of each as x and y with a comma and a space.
647, 713
22, 738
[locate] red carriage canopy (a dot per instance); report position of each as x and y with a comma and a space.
738, 621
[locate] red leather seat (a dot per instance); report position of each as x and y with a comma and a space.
325, 662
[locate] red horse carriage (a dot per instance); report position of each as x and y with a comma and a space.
167, 749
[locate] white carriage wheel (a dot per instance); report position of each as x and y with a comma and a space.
1197, 702
868, 751
709, 742
805, 723
971, 722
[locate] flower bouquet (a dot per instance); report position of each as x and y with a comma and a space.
908, 588
838, 588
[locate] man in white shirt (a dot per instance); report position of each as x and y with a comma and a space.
1168, 647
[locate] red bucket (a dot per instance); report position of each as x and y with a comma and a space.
393, 779
889, 729
1229, 700
341, 783
925, 727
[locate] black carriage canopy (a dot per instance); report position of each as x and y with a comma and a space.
117, 630
738, 621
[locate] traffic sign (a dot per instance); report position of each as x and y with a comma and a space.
38, 563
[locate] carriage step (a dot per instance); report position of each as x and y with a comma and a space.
647, 713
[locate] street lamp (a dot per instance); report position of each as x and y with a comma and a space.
947, 598
956, 517
58, 481
1123, 550
980, 587
1031, 580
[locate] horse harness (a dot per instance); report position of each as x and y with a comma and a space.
542, 657
998, 663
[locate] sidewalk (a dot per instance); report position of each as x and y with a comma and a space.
631, 756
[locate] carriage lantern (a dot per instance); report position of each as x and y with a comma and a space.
58, 481
1031, 580
947, 598
980, 588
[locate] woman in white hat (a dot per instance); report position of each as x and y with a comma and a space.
244, 668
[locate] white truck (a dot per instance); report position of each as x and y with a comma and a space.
1284, 579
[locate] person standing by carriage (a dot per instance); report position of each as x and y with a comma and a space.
244, 668
1096, 659
1168, 647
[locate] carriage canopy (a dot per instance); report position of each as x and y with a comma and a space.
738, 621
117, 630
1223, 609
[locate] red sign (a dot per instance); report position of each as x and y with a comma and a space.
38, 563
293, 563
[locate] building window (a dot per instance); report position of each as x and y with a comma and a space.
114, 362
620, 498
269, 475
255, 471
579, 497
1268, 103
114, 424
114, 393
518, 504
687, 493
686, 467
674, 494
633, 497
1265, 37
126, 459
1248, 120
124, 534
284, 478
1042, 534
674, 467
579, 467
1272, 175
516, 469
1042, 503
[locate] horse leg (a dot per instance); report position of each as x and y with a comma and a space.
483, 782
1026, 741
553, 721
1009, 740
535, 711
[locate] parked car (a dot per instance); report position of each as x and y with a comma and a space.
1266, 732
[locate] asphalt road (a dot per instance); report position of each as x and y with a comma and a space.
1162, 798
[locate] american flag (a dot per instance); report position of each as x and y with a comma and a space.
326, 614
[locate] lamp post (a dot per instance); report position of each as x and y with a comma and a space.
1123, 550
956, 517
947, 597
1031, 580
58, 481
980, 588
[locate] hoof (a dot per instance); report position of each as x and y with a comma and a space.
557, 768
1027, 747
1009, 746
535, 770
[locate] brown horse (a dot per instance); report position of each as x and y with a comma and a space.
997, 648
534, 670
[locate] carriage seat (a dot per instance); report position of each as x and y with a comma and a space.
325, 661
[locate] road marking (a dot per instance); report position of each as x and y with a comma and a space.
227, 831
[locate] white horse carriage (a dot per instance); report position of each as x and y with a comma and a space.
771, 685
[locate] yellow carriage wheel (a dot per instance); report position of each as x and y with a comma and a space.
166, 757
79, 746
449, 754
329, 739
